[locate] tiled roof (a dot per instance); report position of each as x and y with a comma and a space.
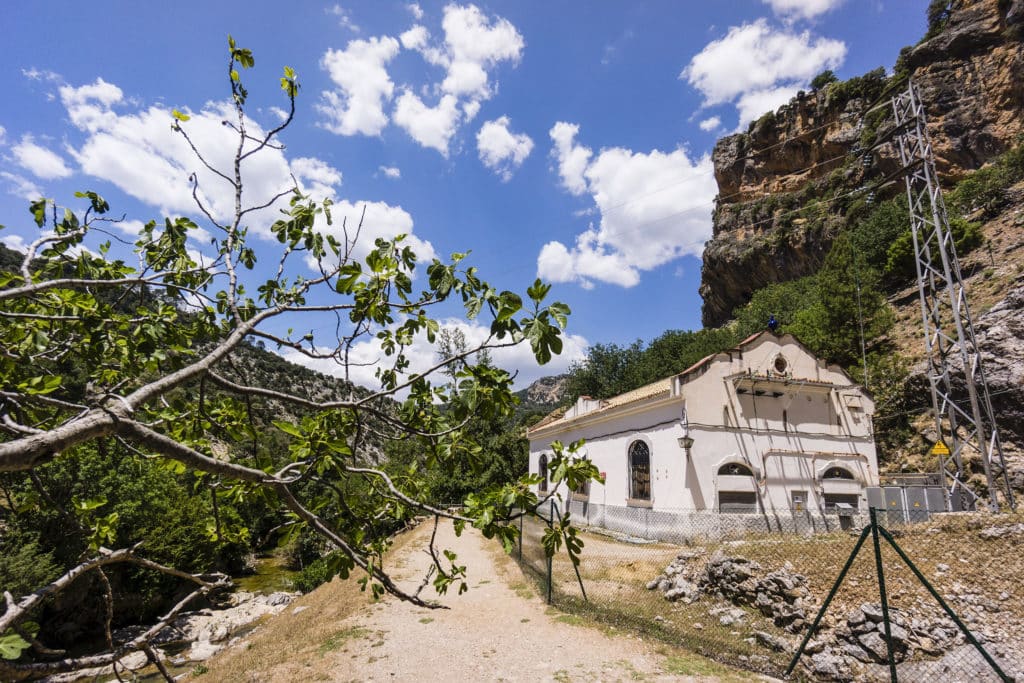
662, 386
653, 390
553, 416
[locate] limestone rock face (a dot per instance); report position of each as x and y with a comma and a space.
773, 221
969, 76
1000, 336
547, 390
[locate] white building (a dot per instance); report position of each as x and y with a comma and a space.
764, 436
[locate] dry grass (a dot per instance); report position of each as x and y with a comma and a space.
292, 647
679, 660
979, 578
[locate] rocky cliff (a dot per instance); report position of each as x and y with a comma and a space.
789, 184
544, 394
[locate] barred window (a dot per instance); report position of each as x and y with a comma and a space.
837, 473
639, 471
735, 469
542, 470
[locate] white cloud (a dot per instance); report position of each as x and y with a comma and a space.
572, 158
281, 114
588, 260
710, 124
801, 9
12, 241
344, 17
130, 227
415, 38
366, 357
473, 45
39, 161
3, 135
20, 186
89, 105
470, 110
430, 126
756, 58
318, 177
612, 50
391, 172
139, 153
34, 74
500, 149
655, 207
753, 104
364, 222
363, 83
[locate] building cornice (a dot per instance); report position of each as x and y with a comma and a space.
599, 416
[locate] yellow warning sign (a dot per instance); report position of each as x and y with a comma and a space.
940, 448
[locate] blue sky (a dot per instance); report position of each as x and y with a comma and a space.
569, 140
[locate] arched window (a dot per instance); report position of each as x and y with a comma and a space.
542, 470
837, 473
639, 471
735, 469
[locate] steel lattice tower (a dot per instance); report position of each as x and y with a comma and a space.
948, 328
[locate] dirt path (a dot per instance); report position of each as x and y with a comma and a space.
499, 630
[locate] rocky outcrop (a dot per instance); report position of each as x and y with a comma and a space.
781, 595
545, 392
851, 643
676, 582
999, 333
1000, 336
210, 631
969, 77
195, 636
775, 218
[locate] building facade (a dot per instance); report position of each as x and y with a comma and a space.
764, 435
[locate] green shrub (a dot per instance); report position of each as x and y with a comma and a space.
784, 300
873, 235
303, 549
985, 188
868, 86
967, 237
938, 13
24, 566
824, 78
312, 575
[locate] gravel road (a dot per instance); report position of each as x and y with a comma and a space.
499, 630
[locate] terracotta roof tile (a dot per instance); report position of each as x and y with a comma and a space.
655, 389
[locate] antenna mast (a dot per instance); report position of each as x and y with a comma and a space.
948, 328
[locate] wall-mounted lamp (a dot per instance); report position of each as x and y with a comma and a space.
686, 443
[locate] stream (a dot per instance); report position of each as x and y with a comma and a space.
269, 576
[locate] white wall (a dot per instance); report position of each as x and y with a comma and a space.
786, 451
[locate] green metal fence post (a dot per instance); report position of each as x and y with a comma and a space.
828, 600
881, 593
551, 520
942, 603
521, 538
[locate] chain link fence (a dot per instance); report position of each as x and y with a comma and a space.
746, 591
